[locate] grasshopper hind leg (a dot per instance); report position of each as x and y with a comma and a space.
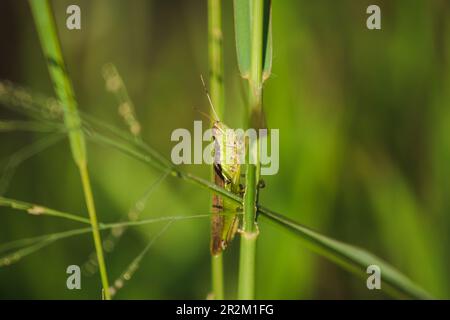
232, 230
216, 245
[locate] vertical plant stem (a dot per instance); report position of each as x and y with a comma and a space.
217, 276
89, 198
48, 37
215, 53
215, 48
246, 285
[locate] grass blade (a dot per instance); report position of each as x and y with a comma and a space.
37, 210
48, 37
28, 246
352, 258
243, 32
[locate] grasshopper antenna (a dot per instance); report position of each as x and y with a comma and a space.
209, 99
207, 116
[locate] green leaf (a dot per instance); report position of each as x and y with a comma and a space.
352, 258
243, 32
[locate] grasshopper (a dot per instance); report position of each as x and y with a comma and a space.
227, 173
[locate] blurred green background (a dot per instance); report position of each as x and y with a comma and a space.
364, 119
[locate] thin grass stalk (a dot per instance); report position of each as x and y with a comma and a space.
134, 265
215, 52
48, 37
40, 210
246, 284
217, 276
27, 246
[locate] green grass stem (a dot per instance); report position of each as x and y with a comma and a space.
216, 75
46, 27
246, 281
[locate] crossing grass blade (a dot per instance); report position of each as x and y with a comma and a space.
352, 258
37, 210
18, 249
